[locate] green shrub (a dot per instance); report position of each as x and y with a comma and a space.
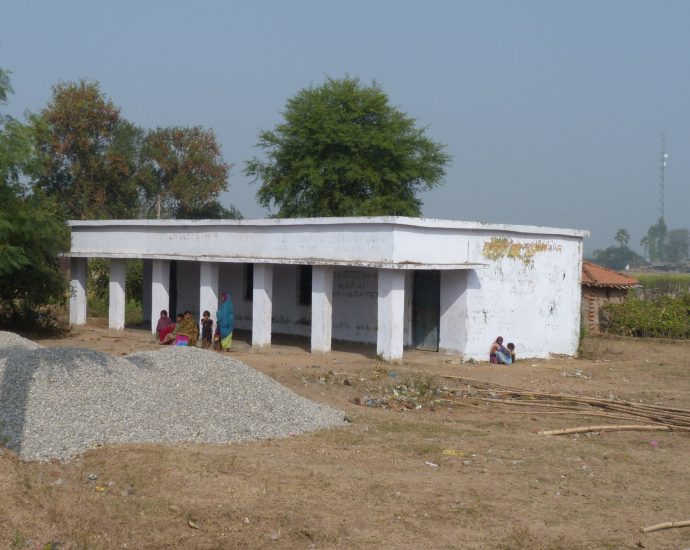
661, 317
98, 279
134, 311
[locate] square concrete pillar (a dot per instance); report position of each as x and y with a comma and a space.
208, 290
321, 308
116, 308
391, 314
160, 290
262, 305
453, 323
146, 291
77, 300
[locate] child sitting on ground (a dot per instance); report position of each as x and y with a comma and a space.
511, 349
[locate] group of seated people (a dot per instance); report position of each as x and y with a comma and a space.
498, 354
184, 332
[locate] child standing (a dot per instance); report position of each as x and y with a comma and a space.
206, 330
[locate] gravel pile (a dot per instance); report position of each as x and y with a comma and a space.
59, 402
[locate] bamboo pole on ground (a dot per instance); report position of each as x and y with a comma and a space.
679, 418
609, 428
667, 525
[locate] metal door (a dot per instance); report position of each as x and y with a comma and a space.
426, 309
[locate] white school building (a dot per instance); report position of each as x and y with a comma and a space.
396, 282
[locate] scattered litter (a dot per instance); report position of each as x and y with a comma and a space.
654, 443
101, 488
577, 374
93, 477
432, 464
193, 524
454, 452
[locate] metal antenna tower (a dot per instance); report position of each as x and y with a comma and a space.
662, 178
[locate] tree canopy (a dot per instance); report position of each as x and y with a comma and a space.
80, 135
185, 173
677, 245
32, 234
617, 257
343, 150
102, 166
664, 245
654, 243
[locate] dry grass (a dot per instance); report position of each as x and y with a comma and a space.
495, 484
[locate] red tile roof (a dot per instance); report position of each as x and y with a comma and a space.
595, 275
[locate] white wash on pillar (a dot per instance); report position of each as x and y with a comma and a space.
116, 308
208, 290
391, 314
160, 290
321, 308
77, 300
262, 305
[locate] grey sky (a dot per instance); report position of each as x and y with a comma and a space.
552, 111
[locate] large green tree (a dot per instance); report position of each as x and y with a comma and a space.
185, 173
31, 232
88, 153
344, 150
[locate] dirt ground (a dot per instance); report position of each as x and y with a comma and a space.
472, 475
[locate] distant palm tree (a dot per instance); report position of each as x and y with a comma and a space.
622, 237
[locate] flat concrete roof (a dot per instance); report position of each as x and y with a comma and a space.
374, 220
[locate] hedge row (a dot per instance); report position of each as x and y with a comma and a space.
662, 317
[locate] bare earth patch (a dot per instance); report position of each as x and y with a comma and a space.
443, 475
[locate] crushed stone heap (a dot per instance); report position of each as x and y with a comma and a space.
60, 402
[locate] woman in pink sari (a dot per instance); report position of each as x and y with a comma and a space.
164, 327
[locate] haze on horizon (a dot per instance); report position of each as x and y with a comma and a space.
553, 111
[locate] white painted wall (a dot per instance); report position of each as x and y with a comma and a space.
535, 304
116, 294
355, 291
401, 243
77, 301
519, 282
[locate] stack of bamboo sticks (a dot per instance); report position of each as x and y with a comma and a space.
646, 416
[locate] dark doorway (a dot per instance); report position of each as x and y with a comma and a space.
426, 309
